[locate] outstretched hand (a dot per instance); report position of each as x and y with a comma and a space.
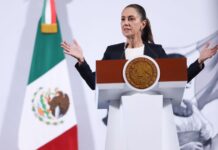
73, 50
207, 53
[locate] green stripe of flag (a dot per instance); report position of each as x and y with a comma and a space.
47, 53
43, 11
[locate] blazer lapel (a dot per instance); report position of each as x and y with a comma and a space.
149, 52
123, 51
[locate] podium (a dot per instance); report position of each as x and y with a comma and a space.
140, 120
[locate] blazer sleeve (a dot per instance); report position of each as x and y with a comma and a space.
86, 73
194, 69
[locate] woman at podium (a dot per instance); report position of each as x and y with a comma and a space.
139, 41
136, 28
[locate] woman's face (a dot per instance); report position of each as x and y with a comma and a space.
131, 23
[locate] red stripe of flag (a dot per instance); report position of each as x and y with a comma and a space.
67, 141
53, 12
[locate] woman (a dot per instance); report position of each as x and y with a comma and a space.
139, 41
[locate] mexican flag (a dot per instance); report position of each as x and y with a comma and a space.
48, 119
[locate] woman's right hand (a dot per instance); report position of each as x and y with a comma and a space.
73, 50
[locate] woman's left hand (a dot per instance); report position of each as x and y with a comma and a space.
207, 53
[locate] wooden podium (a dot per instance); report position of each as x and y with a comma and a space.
140, 120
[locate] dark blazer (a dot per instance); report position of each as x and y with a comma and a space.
117, 51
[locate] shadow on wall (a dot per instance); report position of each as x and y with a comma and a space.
86, 138
11, 120
10, 127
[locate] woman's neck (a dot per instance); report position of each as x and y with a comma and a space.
134, 42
